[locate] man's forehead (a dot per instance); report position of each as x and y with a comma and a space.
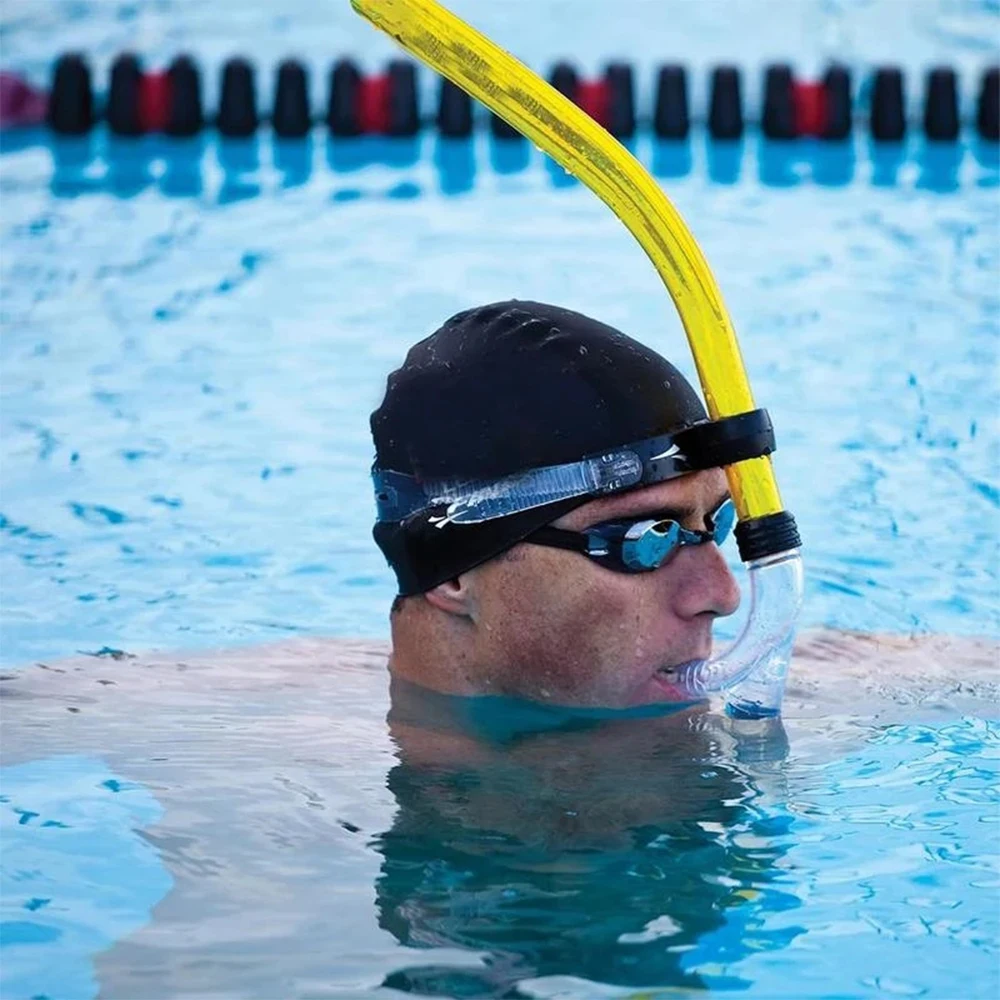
687, 496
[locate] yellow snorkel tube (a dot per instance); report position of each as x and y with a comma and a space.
753, 671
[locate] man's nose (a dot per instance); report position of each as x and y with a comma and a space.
706, 584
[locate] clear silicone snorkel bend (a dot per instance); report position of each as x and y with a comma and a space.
753, 671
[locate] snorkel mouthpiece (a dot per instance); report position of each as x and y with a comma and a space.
752, 672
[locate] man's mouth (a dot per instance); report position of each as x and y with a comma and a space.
672, 679
676, 671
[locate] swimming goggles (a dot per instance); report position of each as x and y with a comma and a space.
637, 546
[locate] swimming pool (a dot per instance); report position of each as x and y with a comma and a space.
194, 335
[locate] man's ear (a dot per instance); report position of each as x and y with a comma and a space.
454, 597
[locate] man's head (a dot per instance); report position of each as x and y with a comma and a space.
513, 408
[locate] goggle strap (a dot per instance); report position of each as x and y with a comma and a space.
708, 445
558, 538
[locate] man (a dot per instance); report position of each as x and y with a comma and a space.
502, 604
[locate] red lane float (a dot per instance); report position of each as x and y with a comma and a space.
154, 102
20, 103
810, 105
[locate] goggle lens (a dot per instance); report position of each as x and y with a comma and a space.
722, 521
647, 545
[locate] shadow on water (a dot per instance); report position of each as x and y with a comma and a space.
629, 851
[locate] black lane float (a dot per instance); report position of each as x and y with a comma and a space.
140, 101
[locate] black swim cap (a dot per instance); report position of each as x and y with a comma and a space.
504, 388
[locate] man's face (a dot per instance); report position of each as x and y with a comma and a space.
556, 626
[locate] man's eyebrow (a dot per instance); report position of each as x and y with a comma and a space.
668, 512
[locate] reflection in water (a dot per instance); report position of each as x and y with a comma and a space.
939, 163
181, 177
71, 158
13, 140
455, 162
887, 158
725, 156
789, 163
987, 155
508, 156
833, 162
622, 850
671, 158
779, 162
558, 175
130, 163
130, 166
395, 152
293, 159
239, 158
345, 154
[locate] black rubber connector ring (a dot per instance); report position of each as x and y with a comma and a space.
122, 111
839, 116
761, 537
778, 121
727, 440
185, 117
670, 114
71, 98
725, 115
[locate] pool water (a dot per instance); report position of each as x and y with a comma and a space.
187, 379
194, 335
254, 829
